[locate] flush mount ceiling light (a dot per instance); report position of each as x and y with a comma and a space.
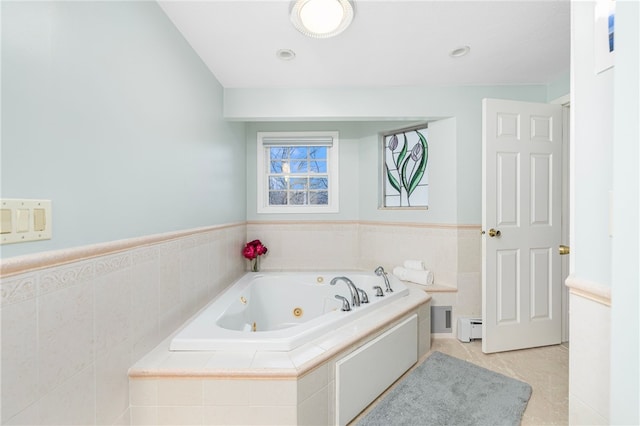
460, 51
321, 18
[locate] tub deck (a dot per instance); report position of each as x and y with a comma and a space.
262, 387
161, 362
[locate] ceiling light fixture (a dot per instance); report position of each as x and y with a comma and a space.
460, 51
321, 18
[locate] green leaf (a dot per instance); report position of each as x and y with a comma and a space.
392, 180
403, 152
403, 173
422, 166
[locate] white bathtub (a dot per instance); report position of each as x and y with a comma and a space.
279, 311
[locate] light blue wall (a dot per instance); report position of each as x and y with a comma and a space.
559, 87
353, 136
462, 166
109, 113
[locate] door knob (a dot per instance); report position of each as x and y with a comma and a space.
494, 232
563, 250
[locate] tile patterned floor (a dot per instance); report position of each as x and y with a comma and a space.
546, 369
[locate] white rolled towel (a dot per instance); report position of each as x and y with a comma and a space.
416, 265
418, 277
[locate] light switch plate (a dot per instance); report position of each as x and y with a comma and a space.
6, 226
22, 220
25, 220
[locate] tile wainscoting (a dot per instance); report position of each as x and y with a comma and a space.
589, 372
74, 321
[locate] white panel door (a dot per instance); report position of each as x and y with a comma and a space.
521, 222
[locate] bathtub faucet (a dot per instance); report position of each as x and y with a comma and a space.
363, 296
381, 273
345, 303
355, 297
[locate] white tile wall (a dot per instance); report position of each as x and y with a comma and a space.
589, 372
446, 250
71, 332
391, 245
307, 246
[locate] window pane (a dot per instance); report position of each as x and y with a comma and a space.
317, 166
299, 167
276, 166
318, 152
298, 183
298, 198
277, 183
319, 198
318, 183
278, 152
277, 198
298, 153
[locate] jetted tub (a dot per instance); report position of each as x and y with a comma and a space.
279, 311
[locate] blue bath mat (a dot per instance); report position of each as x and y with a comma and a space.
445, 390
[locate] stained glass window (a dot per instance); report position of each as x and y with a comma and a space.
405, 155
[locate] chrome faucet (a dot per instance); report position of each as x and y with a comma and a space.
355, 297
381, 273
363, 296
345, 303
378, 290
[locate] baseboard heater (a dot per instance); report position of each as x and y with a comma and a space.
469, 329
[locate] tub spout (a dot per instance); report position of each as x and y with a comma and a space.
355, 297
381, 273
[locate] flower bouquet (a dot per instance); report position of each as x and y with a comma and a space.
252, 251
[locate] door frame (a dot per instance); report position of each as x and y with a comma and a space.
565, 266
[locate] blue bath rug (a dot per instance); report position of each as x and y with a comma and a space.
444, 390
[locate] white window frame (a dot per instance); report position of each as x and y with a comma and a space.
302, 139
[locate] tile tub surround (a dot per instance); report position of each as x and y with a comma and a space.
74, 321
452, 252
257, 387
448, 250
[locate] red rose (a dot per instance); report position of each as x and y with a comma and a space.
253, 249
249, 252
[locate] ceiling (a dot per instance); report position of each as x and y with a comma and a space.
390, 43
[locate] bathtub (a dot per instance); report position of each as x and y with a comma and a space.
280, 311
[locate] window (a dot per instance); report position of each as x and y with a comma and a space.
405, 156
297, 172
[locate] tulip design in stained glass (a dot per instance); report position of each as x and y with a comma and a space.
406, 181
